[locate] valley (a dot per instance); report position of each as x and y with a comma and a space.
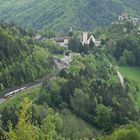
69, 70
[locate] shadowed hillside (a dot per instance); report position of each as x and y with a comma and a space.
62, 14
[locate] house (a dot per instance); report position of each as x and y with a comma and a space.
63, 41
135, 21
123, 17
91, 38
125, 30
37, 36
86, 41
59, 39
138, 31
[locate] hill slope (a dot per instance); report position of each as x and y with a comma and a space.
84, 14
21, 58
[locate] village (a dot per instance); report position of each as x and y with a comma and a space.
126, 18
85, 38
63, 40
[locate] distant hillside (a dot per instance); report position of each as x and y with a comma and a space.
62, 14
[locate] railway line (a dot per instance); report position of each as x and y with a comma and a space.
59, 64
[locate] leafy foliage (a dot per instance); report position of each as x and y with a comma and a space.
123, 46
65, 14
21, 58
91, 89
127, 132
25, 130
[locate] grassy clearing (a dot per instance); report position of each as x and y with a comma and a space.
74, 124
31, 93
132, 73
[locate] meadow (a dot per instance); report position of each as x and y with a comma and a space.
132, 73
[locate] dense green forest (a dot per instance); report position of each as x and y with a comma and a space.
22, 58
52, 126
88, 100
91, 89
119, 42
62, 14
122, 42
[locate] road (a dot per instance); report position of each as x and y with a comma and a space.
59, 64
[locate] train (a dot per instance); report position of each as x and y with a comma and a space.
14, 92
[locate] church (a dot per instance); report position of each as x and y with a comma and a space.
85, 40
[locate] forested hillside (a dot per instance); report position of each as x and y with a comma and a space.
62, 14
22, 59
122, 42
95, 94
92, 90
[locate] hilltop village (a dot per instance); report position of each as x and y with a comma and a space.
63, 40
125, 18
86, 37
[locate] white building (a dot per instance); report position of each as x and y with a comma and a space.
91, 38
126, 18
135, 21
86, 41
85, 37
37, 36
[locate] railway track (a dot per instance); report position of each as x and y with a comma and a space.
8, 93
